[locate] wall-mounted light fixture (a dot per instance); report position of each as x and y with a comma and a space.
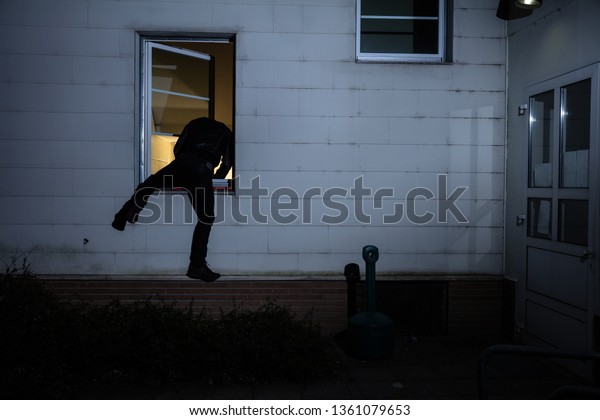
516, 9
528, 4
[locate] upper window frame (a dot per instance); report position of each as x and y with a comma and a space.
143, 84
441, 56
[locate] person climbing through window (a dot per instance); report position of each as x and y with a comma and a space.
202, 145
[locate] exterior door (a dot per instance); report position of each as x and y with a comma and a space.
562, 209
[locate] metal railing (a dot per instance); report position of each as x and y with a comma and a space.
533, 351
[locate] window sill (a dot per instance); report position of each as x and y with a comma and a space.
401, 60
218, 190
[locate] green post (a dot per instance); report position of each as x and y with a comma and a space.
371, 332
370, 255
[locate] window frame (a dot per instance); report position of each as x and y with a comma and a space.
148, 95
143, 85
441, 56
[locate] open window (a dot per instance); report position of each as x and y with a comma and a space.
183, 78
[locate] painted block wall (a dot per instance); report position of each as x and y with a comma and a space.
308, 118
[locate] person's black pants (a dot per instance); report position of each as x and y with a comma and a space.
189, 176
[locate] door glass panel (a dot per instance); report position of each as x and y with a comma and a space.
573, 221
575, 134
540, 139
539, 218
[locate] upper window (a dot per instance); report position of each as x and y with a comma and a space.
400, 30
182, 79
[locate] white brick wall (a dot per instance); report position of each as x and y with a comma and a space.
307, 115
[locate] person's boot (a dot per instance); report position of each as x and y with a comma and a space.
122, 217
202, 272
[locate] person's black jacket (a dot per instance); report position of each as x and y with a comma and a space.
209, 140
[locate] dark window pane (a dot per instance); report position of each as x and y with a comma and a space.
400, 7
573, 221
399, 36
575, 134
539, 218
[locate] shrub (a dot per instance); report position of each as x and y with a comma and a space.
36, 336
53, 346
269, 344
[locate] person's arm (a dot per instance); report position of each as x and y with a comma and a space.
227, 160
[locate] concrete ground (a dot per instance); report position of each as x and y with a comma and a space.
424, 368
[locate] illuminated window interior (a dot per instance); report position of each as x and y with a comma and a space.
184, 79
